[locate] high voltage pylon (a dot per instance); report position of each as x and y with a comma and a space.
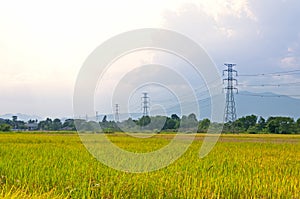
230, 110
117, 118
145, 104
97, 116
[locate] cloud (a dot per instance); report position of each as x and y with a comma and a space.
253, 34
146, 71
260, 36
290, 62
291, 59
41, 55
224, 8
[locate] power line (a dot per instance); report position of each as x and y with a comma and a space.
289, 84
280, 73
196, 92
262, 95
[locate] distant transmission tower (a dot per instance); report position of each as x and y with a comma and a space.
117, 118
230, 110
97, 116
145, 104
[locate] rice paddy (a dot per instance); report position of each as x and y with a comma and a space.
240, 166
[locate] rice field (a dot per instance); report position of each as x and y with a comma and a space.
239, 166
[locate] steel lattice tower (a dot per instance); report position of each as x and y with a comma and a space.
117, 118
145, 104
97, 116
230, 110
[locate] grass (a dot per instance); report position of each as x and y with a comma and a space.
240, 166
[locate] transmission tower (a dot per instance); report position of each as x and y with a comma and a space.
145, 104
97, 116
117, 118
230, 110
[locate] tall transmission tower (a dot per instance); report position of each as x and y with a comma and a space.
230, 110
97, 116
117, 118
145, 104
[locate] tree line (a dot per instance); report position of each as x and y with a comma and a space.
247, 124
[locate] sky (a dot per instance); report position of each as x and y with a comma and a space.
43, 44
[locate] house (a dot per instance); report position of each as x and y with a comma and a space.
32, 126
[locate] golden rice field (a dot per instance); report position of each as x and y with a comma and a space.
240, 166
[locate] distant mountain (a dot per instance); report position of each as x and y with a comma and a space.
272, 105
247, 103
21, 116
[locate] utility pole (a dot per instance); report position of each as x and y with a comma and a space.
117, 118
145, 104
230, 110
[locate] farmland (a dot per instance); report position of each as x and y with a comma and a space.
240, 166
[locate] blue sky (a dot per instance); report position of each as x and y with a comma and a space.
43, 45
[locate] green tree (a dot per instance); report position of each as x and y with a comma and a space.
14, 118
175, 117
45, 125
189, 122
104, 119
244, 123
127, 125
250, 121
69, 125
144, 121
281, 125
192, 117
298, 126
261, 124
5, 127
170, 124
203, 125
56, 124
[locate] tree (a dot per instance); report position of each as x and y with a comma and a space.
14, 118
192, 117
203, 125
189, 122
127, 125
170, 123
281, 125
31, 121
56, 124
261, 124
250, 121
45, 125
5, 127
158, 123
104, 119
175, 117
144, 121
81, 125
237, 126
298, 126
244, 123
69, 124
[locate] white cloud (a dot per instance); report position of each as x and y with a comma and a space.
224, 8
43, 44
290, 62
